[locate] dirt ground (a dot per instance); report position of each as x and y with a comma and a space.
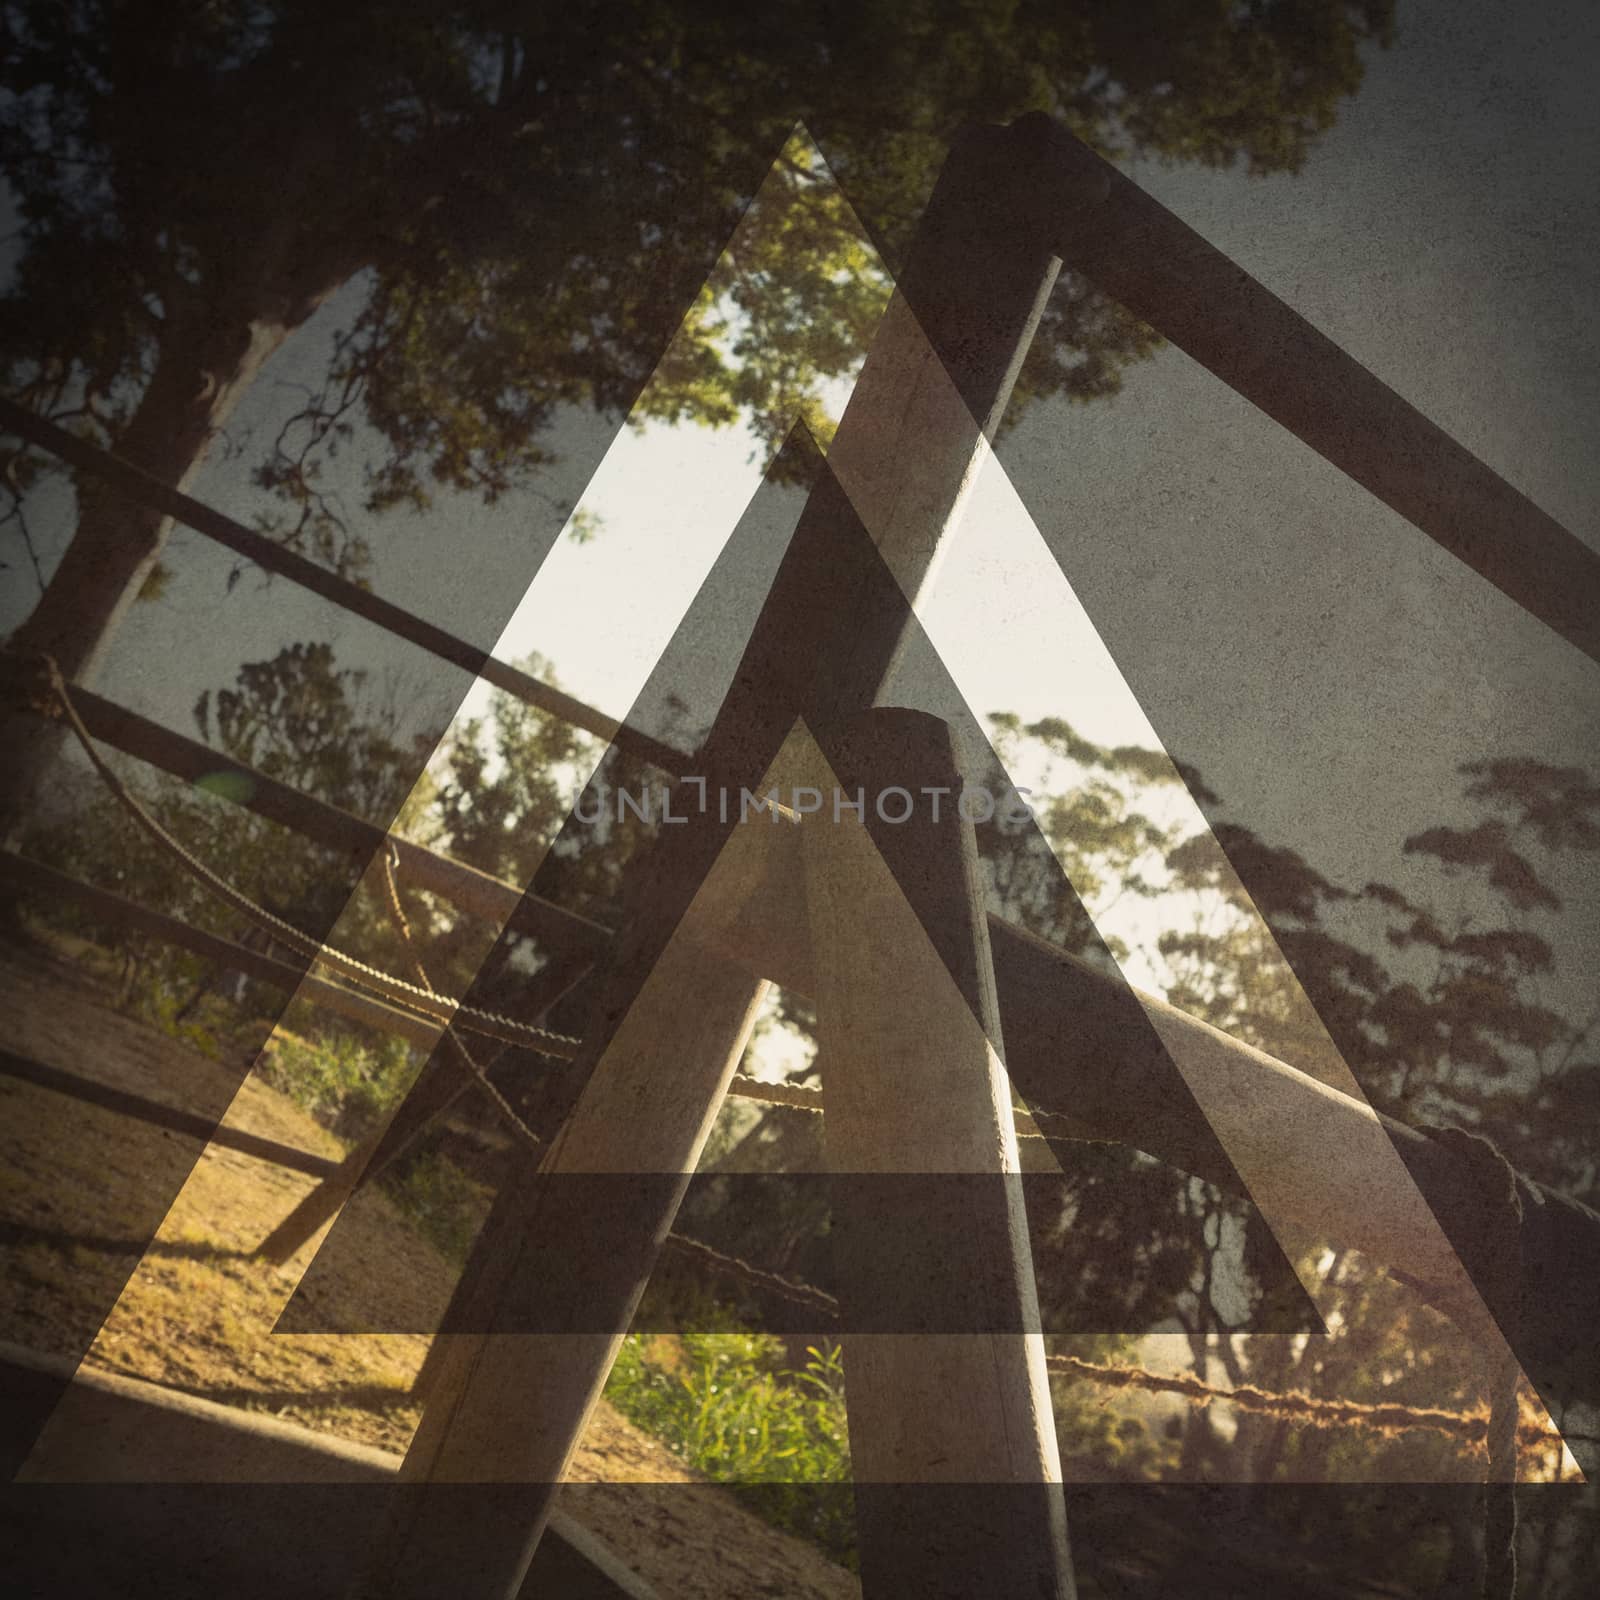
82, 1189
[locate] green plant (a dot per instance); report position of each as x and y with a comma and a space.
446, 1206
732, 1410
342, 1081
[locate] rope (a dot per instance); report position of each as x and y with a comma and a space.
402, 926
802, 1294
422, 1001
793, 1095
1477, 1429
1470, 1427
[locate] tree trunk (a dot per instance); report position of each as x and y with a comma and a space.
199, 378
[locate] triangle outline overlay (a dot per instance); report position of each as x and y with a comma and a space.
177, 1205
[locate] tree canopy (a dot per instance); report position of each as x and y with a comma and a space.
532, 195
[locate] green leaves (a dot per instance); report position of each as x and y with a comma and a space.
535, 196
731, 1407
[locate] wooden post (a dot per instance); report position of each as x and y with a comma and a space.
952, 1437
509, 1407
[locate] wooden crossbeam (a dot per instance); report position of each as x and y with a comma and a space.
273, 557
944, 1363
1190, 292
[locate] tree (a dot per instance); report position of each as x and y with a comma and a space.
309, 723
1455, 1015
529, 198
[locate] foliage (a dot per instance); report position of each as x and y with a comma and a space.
503, 783
99, 844
732, 1409
1444, 1016
308, 723
341, 1080
529, 198
445, 1203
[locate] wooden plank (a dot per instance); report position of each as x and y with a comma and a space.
1206, 304
910, 1045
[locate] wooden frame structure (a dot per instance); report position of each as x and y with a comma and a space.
683, 984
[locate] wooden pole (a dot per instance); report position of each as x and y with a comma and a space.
952, 1436
512, 1408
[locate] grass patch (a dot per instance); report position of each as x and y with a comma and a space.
446, 1206
728, 1405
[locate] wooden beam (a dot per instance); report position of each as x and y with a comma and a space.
504, 1408
157, 1114
37, 878
466, 887
945, 1376
1157, 266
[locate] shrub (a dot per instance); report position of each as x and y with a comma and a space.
446, 1206
343, 1083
